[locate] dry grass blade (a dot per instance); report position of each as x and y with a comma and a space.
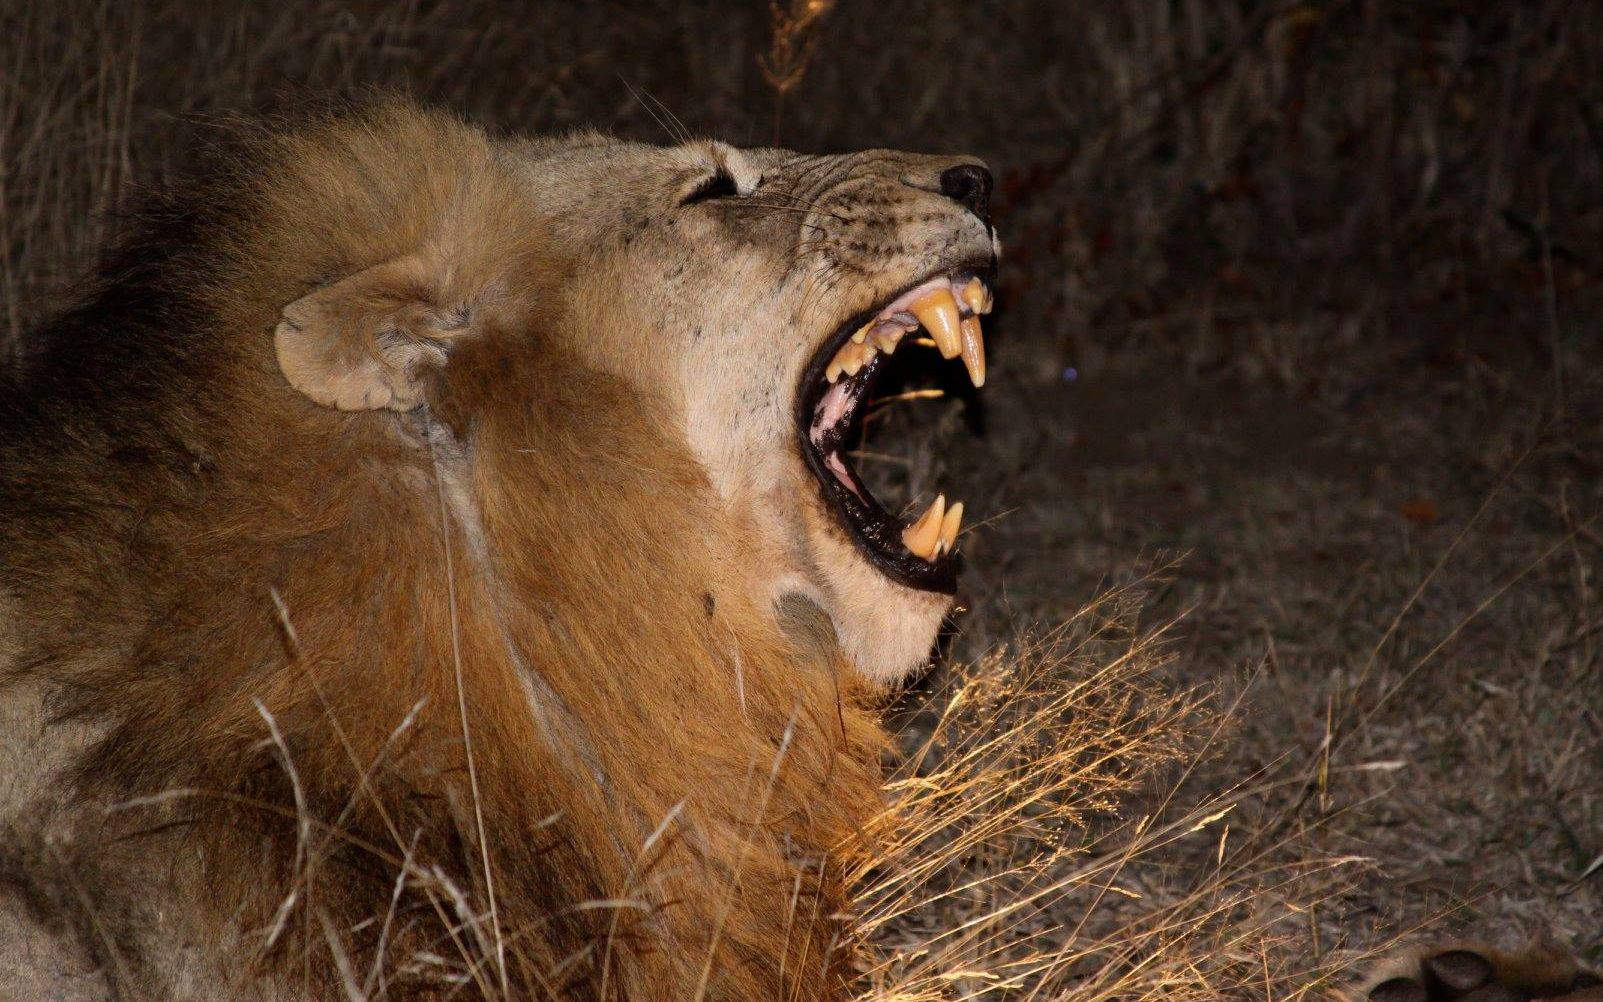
793, 38
500, 966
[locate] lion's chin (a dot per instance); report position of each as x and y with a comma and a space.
886, 629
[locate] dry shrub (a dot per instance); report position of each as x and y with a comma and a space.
793, 36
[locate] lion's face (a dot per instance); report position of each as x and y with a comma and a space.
756, 292
761, 290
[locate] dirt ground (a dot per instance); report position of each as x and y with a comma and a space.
1296, 324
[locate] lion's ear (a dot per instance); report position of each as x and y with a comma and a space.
364, 342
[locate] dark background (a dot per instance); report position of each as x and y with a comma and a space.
1303, 294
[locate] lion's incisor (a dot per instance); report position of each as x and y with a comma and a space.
410, 574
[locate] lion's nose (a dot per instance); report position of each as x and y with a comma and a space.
969, 185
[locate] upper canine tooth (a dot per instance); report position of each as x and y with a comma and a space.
974, 350
937, 311
952, 522
977, 296
924, 536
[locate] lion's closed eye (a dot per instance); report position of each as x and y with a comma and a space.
719, 184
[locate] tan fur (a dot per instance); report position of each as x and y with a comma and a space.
477, 560
1542, 969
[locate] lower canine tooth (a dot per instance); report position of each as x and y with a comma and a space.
974, 350
952, 522
923, 537
937, 311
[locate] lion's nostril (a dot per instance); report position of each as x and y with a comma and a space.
970, 186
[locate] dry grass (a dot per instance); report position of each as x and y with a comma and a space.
1323, 274
1011, 870
792, 41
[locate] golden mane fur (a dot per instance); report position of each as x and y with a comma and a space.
322, 731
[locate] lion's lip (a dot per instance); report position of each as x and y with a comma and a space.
948, 306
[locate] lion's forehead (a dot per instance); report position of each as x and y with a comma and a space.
626, 166
855, 215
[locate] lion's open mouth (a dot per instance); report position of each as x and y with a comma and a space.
919, 554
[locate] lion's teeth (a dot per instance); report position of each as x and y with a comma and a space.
937, 311
860, 358
952, 522
923, 537
936, 530
974, 350
850, 359
948, 312
977, 296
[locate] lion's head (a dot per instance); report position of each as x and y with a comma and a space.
461, 528
758, 291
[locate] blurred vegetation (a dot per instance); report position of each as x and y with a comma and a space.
1303, 158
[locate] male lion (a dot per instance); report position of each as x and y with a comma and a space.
430, 566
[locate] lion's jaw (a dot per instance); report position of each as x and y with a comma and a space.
801, 252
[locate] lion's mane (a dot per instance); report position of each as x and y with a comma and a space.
338, 736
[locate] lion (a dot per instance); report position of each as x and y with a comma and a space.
1476, 972
431, 565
